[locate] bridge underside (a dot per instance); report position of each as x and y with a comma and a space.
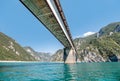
43, 12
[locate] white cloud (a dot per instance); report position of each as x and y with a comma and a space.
88, 33
84, 35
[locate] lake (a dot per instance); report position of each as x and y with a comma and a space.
36, 71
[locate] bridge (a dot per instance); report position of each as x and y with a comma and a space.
50, 14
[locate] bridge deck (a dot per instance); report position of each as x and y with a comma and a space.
42, 11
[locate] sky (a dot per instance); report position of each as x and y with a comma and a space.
84, 17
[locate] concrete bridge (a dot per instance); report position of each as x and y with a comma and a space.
50, 14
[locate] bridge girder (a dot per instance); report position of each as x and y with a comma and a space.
42, 11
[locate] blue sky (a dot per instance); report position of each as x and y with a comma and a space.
82, 16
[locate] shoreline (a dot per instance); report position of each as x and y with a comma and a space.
17, 61
27, 62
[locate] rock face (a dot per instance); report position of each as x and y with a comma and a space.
103, 46
89, 55
10, 50
39, 56
58, 56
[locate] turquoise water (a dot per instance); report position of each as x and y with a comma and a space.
59, 72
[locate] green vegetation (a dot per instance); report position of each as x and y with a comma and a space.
107, 44
10, 50
110, 28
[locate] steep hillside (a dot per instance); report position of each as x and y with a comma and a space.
10, 50
100, 47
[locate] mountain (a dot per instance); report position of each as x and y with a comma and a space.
103, 46
10, 50
39, 56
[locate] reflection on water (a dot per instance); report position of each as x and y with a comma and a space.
70, 72
59, 72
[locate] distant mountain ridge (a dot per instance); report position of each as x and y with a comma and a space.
103, 46
39, 56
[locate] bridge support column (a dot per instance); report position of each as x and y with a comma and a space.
69, 55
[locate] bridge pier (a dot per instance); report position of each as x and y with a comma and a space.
69, 55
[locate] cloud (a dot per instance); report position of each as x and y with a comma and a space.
88, 33
83, 35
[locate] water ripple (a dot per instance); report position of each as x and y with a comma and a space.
59, 72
